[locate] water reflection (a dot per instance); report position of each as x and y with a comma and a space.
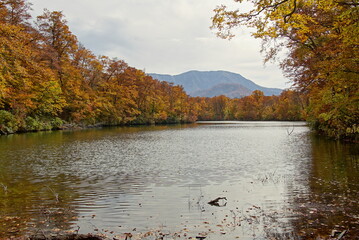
144, 178
332, 202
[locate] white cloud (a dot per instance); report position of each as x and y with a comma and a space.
163, 36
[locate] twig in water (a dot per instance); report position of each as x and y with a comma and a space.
291, 131
235, 218
47, 214
43, 233
342, 235
96, 229
78, 229
128, 236
4, 187
55, 193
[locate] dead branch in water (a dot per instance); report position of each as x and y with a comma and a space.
4, 187
55, 193
289, 132
216, 202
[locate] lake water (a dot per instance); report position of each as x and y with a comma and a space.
279, 181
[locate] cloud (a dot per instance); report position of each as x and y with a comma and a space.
163, 36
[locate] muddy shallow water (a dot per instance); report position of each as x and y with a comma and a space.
149, 181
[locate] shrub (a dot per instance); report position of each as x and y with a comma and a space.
8, 122
32, 124
56, 123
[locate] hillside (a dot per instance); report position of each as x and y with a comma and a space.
232, 90
214, 83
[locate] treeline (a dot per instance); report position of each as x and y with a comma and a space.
48, 79
289, 106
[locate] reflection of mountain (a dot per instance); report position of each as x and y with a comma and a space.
215, 83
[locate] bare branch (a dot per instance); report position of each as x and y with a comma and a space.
286, 17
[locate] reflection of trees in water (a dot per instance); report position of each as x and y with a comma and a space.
30, 206
42, 181
39, 205
332, 202
34, 199
43, 185
70, 165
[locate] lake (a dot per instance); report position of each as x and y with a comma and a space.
280, 181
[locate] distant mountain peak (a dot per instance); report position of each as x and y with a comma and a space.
215, 83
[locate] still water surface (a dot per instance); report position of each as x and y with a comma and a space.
159, 179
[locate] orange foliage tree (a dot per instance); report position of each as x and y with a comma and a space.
321, 38
48, 79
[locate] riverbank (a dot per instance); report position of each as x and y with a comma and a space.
58, 125
9, 126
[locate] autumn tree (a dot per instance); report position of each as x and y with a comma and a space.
15, 12
60, 49
59, 42
219, 107
28, 90
289, 106
204, 108
322, 38
149, 100
48, 78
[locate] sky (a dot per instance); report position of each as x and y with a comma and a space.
164, 36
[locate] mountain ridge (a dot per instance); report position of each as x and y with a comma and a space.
213, 83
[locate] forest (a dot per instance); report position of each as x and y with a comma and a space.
49, 80
319, 40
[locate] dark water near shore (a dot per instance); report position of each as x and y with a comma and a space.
158, 179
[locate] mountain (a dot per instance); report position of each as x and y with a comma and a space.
232, 90
215, 83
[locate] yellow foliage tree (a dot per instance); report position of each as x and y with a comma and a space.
322, 37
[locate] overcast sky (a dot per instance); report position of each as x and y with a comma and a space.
163, 36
